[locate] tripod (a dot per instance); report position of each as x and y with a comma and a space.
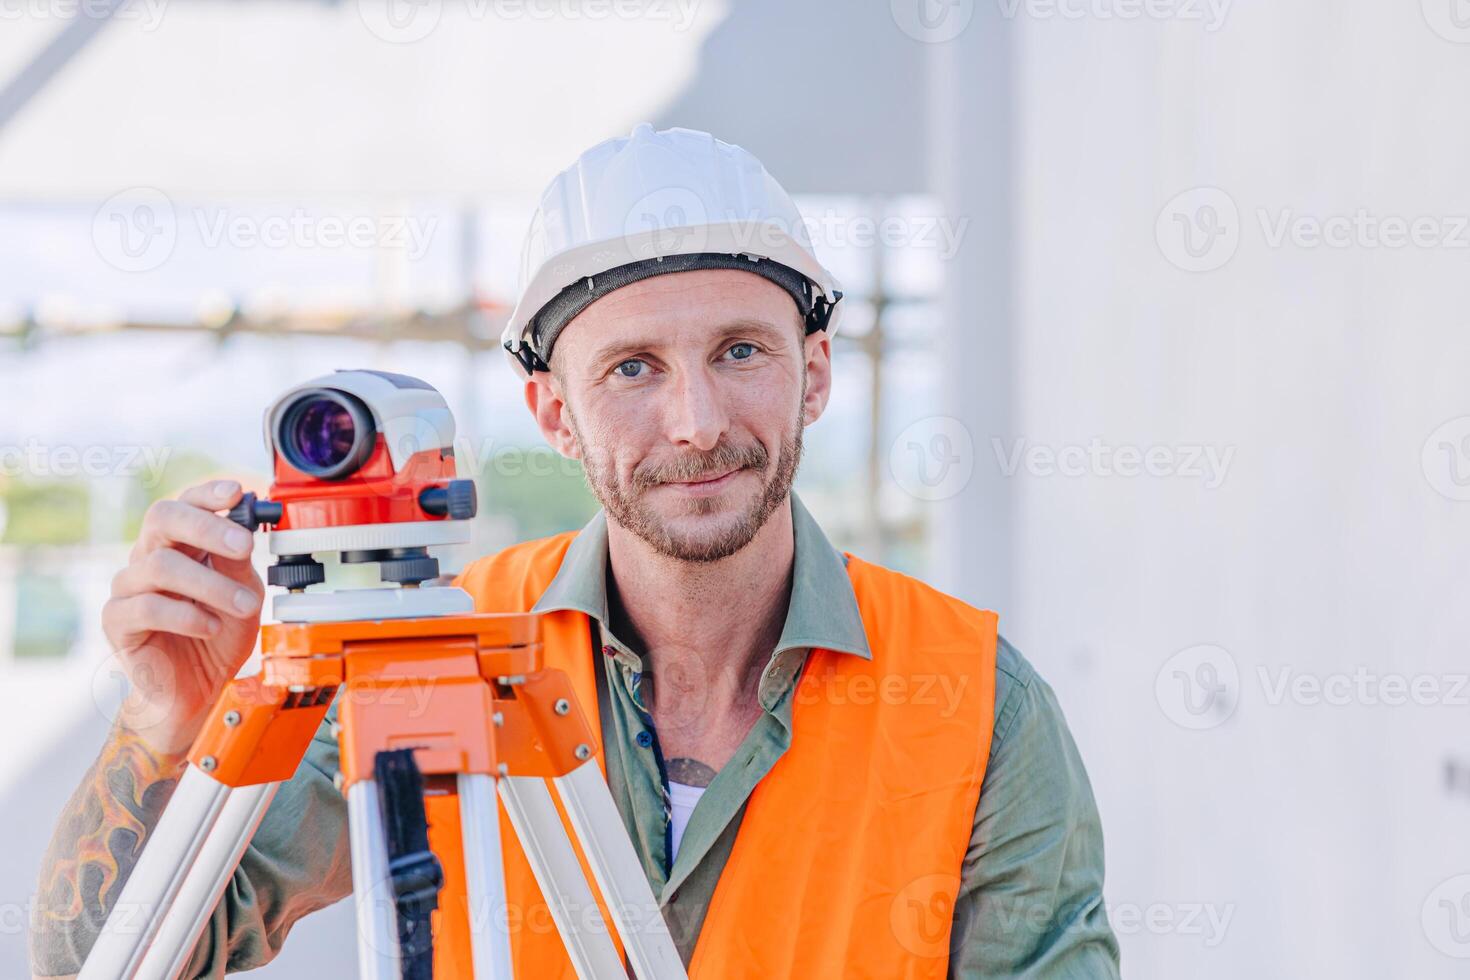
486, 720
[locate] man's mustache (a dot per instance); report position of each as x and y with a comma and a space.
700, 465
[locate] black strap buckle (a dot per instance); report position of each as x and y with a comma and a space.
822, 311
417, 879
529, 359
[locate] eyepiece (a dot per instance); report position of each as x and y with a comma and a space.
326, 434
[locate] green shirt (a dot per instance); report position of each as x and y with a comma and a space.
1030, 901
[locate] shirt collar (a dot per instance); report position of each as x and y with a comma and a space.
823, 611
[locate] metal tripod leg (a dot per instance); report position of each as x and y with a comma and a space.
178, 880
615, 867
170, 950
479, 816
619, 874
533, 814
372, 886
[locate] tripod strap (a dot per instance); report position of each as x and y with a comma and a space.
414, 869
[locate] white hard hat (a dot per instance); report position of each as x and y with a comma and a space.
651, 203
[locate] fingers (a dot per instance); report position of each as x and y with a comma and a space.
167, 570
187, 523
127, 620
214, 495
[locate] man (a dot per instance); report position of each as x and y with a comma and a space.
828, 769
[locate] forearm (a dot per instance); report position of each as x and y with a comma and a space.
98, 840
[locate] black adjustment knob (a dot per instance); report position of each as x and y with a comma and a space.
296, 572
251, 512
409, 571
455, 500
463, 502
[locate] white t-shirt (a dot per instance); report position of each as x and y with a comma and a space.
682, 798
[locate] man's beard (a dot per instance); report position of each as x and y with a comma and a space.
625, 499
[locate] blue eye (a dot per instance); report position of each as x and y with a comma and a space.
748, 348
629, 374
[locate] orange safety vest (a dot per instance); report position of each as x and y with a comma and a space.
848, 858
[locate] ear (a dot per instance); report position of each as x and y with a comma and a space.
544, 398
818, 348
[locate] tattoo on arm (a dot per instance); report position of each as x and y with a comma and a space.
98, 840
690, 772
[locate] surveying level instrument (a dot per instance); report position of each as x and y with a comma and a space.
364, 466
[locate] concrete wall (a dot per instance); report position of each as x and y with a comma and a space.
1320, 817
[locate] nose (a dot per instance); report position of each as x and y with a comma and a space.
696, 414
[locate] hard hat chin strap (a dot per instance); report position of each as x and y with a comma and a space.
534, 353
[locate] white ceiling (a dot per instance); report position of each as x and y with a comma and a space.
301, 98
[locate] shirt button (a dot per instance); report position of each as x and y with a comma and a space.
608, 650
644, 739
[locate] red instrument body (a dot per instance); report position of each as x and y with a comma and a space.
374, 494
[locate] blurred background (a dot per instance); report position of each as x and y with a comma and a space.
1156, 343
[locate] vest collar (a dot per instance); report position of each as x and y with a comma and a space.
823, 611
